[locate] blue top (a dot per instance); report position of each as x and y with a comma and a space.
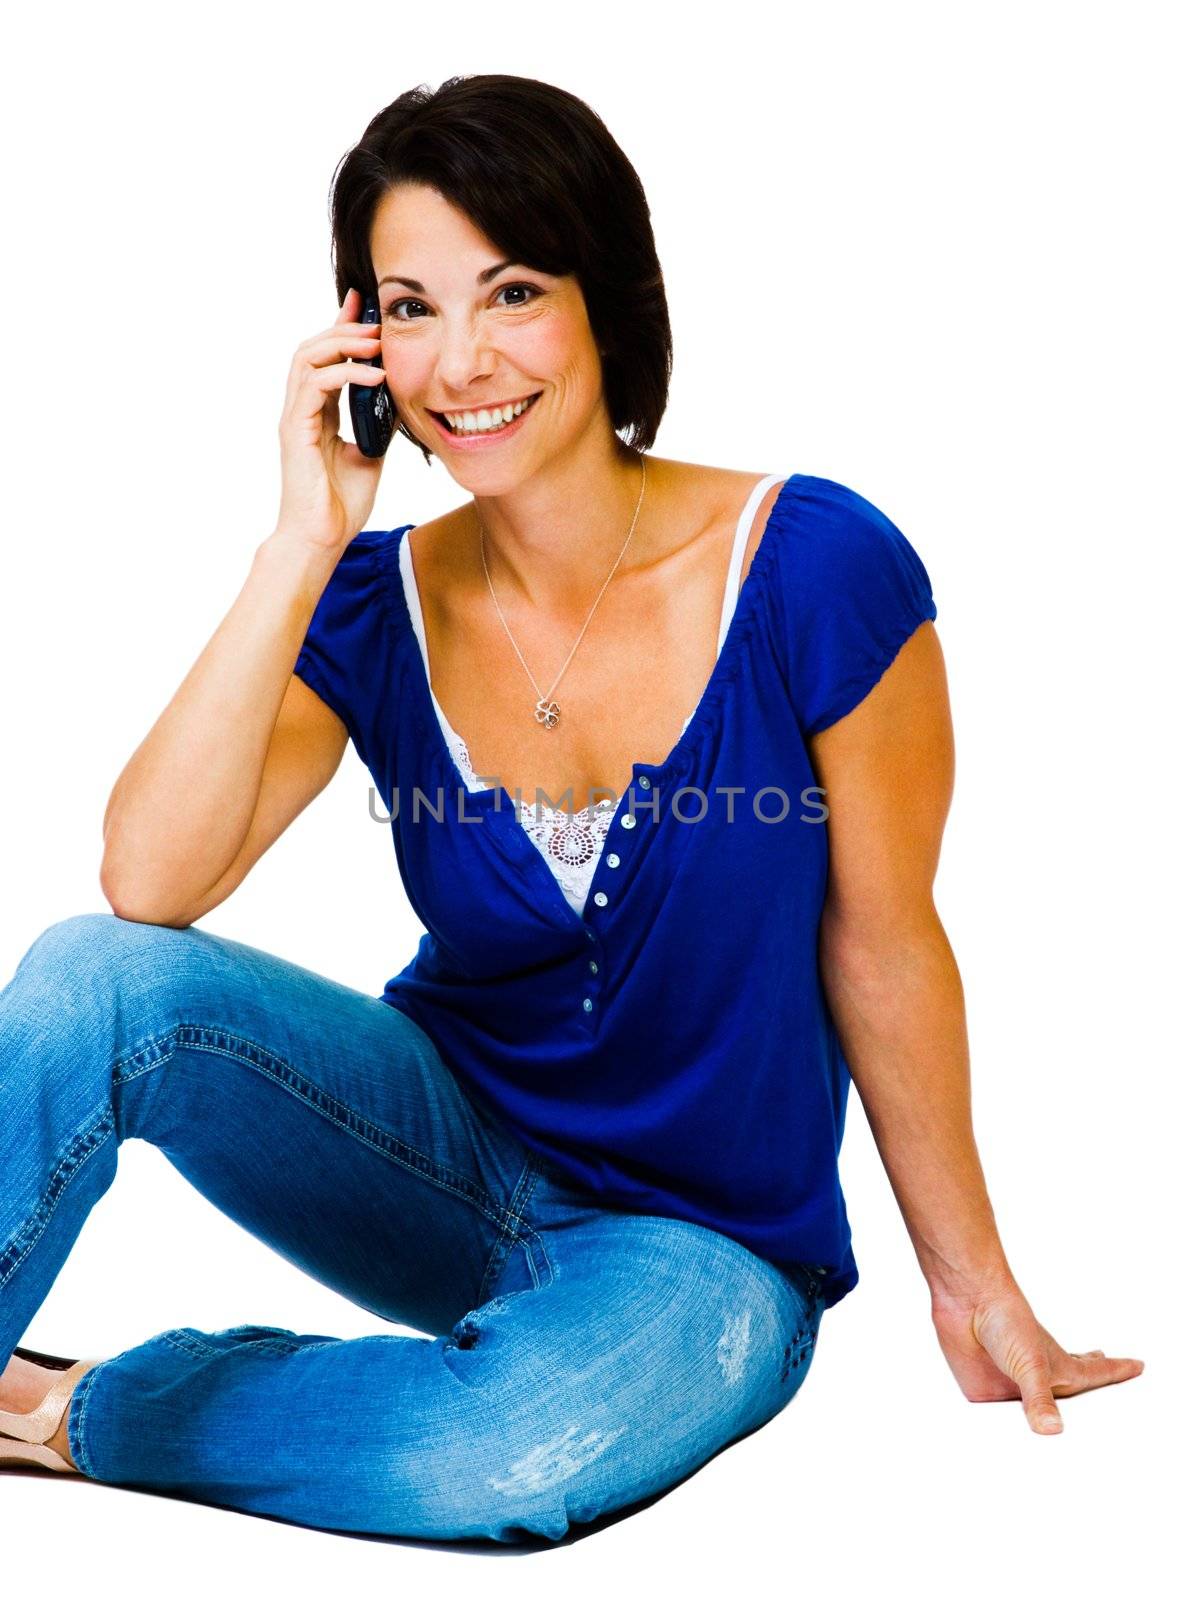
671, 1049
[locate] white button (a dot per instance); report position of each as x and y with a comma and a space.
645, 784
594, 966
588, 1005
613, 861
601, 898
628, 820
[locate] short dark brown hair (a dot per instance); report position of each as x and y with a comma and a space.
538, 174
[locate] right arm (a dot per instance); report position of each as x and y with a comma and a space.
239, 752
244, 745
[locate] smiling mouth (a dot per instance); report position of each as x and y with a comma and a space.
478, 433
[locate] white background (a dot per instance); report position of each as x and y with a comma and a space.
933, 251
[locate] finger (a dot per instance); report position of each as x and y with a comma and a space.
350, 325
322, 380
315, 402
333, 343
337, 331
1037, 1397
303, 371
1094, 1371
353, 302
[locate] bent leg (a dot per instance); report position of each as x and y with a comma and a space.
651, 1345
318, 1117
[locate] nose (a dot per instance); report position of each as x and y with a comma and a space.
465, 358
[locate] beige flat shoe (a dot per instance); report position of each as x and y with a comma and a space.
24, 1436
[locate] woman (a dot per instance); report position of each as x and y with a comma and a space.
587, 1137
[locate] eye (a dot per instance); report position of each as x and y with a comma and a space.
529, 289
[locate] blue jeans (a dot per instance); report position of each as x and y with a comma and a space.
576, 1358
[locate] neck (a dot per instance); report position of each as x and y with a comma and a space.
552, 541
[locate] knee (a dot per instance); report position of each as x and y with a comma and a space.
81, 948
507, 1466
546, 1473
82, 968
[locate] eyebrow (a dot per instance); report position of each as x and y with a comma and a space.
485, 276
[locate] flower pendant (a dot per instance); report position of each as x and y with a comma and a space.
548, 712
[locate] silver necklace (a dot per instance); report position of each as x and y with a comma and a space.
547, 711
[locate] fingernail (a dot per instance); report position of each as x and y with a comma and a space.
1052, 1424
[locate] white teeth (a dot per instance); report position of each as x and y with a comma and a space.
485, 421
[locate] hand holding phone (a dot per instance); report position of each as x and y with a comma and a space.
328, 486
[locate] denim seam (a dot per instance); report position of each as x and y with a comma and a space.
76, 1416
281, 1342
511, 1226
182, 1341
809, 1299
500, 1248
531, 1260
66, 1169
535, 1248
249, 1053
74, 1423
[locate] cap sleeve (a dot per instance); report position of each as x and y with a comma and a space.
852, 589
341, 655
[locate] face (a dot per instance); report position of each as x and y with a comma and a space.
463, 332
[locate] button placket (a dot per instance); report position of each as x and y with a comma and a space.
588, 1000
610, 862
613, 859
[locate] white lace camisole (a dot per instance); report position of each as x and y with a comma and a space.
571, 841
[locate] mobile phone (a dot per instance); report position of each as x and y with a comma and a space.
373, 413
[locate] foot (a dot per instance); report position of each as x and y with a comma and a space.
23, 1386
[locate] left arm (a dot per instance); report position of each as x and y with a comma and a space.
896, 998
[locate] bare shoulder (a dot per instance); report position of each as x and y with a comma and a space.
715, 498
437, 550
429, 538
715, 490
